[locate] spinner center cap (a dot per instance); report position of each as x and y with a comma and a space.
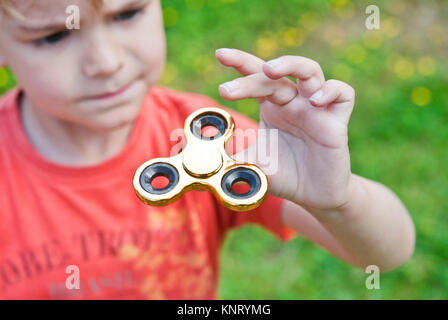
202, 164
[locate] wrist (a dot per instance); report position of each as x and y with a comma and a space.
356, 200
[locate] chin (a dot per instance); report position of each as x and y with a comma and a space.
116, 117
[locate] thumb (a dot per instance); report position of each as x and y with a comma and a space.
264, 152
248, 155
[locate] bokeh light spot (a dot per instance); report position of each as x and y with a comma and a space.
372, 39
170, 16
421, 96
309, 21
355, 54
403, 68
292, 37
266, 47
426, 66
391, 27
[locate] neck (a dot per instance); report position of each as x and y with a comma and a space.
68, 143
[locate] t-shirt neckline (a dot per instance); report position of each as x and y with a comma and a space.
79, 176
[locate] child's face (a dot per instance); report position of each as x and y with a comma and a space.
96, 76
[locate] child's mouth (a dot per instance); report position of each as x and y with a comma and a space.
112, 94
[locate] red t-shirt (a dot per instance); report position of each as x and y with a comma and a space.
54, 216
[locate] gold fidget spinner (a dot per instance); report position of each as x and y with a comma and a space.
203, 164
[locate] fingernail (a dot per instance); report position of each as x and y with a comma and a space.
230, 86
317, 96
273, 64
224, 50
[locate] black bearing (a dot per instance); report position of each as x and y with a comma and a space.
208, 119
241, 174
156, 170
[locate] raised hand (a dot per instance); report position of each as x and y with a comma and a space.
311, 116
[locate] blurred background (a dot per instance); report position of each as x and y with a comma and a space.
398, 132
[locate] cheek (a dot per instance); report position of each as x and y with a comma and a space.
49, 86
44, 79
37, 79
36, 76
152, 56
149, 45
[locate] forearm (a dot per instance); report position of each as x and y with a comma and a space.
374, 227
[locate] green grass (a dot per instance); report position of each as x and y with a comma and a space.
398, 132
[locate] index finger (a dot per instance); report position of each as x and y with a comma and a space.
243, 62
307, 71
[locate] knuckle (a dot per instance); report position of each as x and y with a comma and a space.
352, 92
282, 97
341, 86
349, 89
314, 65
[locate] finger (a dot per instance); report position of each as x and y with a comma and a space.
243, 62
333, 91
337, 95
257, 85
308, 72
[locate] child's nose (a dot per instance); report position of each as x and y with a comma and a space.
102, 55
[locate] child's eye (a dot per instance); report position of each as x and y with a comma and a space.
53, 38
127, 15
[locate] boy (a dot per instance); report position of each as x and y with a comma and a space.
87, 112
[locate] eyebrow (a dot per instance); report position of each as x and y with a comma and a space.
43, 28
62, 25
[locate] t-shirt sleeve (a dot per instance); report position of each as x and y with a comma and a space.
268, 214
